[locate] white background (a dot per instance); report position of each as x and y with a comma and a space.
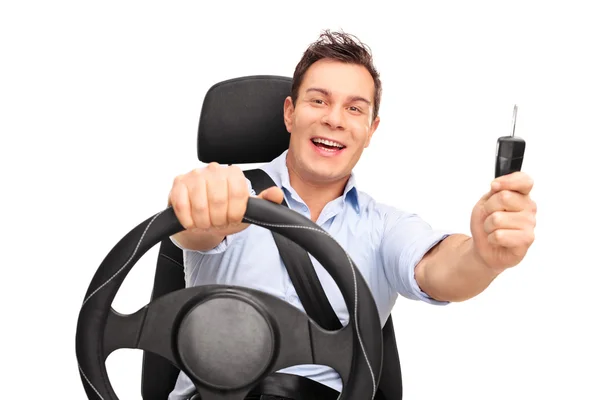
99, 106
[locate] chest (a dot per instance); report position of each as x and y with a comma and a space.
252, 260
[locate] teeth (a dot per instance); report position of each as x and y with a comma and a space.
327, 142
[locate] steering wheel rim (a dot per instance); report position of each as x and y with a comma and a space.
96, 311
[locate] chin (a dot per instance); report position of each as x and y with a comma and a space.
321, 165
325, 173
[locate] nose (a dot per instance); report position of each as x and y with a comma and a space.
334, 118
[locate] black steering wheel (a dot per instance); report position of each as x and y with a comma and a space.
228, 338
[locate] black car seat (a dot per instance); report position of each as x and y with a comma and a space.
241, 122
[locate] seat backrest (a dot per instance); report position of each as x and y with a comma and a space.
241, 122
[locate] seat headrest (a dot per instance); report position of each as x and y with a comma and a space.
241, 121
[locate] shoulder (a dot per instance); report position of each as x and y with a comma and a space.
380, 212
392, 226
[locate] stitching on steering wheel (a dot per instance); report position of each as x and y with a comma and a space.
128, 261
88, 381
355, 289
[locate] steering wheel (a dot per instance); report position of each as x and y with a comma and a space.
228, 338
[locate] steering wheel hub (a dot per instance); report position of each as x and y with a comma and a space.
226, 342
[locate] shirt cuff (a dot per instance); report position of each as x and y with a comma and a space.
221, 247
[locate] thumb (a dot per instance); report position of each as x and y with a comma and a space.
494, 187
273, 194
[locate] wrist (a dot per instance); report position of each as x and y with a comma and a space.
475, 258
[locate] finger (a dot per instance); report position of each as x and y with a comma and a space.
512, 238
509, 220
179, 200
238, 195
506, 200
199, 202
217, 194
273, 194
516, 182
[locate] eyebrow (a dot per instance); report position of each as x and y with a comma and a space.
328, 93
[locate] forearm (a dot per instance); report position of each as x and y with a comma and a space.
452, 271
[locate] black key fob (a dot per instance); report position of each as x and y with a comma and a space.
510, 151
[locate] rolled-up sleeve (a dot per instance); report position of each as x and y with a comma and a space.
406, 238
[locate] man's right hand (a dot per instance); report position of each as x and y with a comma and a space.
210, 203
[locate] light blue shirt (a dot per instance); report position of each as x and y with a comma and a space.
385, 243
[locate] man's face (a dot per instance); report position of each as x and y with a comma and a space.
332, 122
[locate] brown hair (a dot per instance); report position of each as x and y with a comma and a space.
342, 47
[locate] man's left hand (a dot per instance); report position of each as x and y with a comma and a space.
503, 222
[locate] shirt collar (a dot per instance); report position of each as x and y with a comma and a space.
280, 174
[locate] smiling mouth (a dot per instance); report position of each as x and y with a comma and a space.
327, 145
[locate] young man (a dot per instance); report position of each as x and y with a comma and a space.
332, 114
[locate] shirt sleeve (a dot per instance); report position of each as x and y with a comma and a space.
406, 239
221, 247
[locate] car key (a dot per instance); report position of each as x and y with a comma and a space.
510, 151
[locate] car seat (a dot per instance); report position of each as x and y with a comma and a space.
241, 122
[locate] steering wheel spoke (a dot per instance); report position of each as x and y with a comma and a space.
122, 331
302, 341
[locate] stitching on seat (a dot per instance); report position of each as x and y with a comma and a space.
172, 260
355, 290
128, 261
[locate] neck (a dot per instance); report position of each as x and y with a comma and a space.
316, 195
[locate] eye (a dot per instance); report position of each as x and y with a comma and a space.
354, 109
318, 101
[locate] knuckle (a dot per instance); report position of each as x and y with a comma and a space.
200, 209
534, 206
213, 167
177, 204
488, 227
532, 220
179, 179
238, 190
177, 201
529, 180
201, 220
505, 196
203, 223
529, 238
197, 172
496, 236
188, 223
219, 222
236, 174
217, 198
496, 219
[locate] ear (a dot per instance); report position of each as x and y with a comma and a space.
372, 130
288, 113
